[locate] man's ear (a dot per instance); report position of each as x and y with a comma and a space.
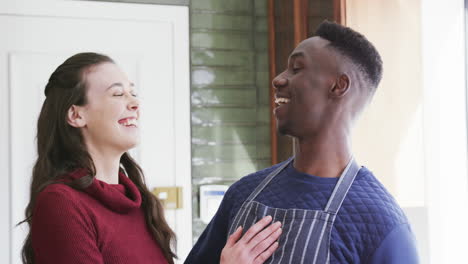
75, 116
341, 86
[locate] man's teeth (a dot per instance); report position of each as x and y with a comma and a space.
282, 100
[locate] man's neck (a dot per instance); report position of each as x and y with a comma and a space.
324, 156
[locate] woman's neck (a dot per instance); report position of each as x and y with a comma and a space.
107, 165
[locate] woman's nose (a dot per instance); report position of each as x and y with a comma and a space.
134, 104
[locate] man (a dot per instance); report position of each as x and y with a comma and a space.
331, 209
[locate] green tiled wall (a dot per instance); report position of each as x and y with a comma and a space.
229, 92
156, 2
220, 76
222, 40
202, 57
221, 22
225, 6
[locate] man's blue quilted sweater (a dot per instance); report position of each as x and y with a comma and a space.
370, 227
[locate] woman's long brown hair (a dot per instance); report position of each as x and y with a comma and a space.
61, 149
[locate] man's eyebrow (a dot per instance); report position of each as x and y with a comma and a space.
297, 54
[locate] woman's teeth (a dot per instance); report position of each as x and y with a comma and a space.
282, 100
129, 122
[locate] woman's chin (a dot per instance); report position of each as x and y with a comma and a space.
129, 145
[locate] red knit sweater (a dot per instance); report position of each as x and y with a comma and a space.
102, 224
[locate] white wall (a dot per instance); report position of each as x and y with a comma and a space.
444, 74
390, 137
419, 148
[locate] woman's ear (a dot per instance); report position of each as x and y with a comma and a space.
75, 116
341, 86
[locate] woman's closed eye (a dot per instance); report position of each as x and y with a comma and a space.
122, 94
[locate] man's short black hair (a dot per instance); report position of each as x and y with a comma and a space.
356, 47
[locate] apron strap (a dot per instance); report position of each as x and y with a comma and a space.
257, 190
342, 187
267, 180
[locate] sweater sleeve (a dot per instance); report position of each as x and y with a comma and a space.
398, 247
208, 248
62, 232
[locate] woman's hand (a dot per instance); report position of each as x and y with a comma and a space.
255, 247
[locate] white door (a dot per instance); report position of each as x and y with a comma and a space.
150, 42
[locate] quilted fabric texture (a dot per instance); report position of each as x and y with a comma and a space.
367, 215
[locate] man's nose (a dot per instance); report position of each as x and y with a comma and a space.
279, 81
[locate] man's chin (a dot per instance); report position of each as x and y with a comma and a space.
283, 130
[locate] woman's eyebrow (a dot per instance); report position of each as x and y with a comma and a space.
119, 84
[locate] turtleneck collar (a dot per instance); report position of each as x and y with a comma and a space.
120, 198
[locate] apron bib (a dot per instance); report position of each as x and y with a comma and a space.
306, 233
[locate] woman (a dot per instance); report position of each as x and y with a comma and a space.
89, 202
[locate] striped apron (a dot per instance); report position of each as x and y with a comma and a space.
306, 233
